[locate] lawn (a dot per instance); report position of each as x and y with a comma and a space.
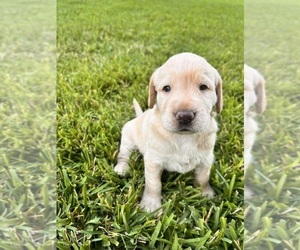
27, 125
106, 52
272, 34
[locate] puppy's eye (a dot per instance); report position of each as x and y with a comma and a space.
203, 87
167, 88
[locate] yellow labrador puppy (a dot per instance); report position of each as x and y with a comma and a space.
254, 96
178, 132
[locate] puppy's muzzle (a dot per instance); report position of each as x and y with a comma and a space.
185, 117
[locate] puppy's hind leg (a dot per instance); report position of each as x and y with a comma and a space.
127, 145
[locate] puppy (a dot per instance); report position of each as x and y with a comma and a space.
178, 132
254, 95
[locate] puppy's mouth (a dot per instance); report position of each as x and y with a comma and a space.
185, 130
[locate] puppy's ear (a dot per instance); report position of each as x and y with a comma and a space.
151, 92
219, 93
260, 94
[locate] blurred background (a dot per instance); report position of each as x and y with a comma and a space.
272, 38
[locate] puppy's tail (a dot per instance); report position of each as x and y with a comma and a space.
137, 108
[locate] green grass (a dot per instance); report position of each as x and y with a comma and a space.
27, 125
107, 51
273, 218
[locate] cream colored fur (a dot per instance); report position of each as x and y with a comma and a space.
178, 132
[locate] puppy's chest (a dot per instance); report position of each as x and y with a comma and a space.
182, 164
183, 158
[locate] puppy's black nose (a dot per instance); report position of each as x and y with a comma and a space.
185, 116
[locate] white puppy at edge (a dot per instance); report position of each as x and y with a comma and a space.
178, 132
254, 95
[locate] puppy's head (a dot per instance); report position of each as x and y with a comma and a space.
254, 90
185, 89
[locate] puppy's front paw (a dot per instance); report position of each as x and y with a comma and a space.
150, 204
121, 168
208, 191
